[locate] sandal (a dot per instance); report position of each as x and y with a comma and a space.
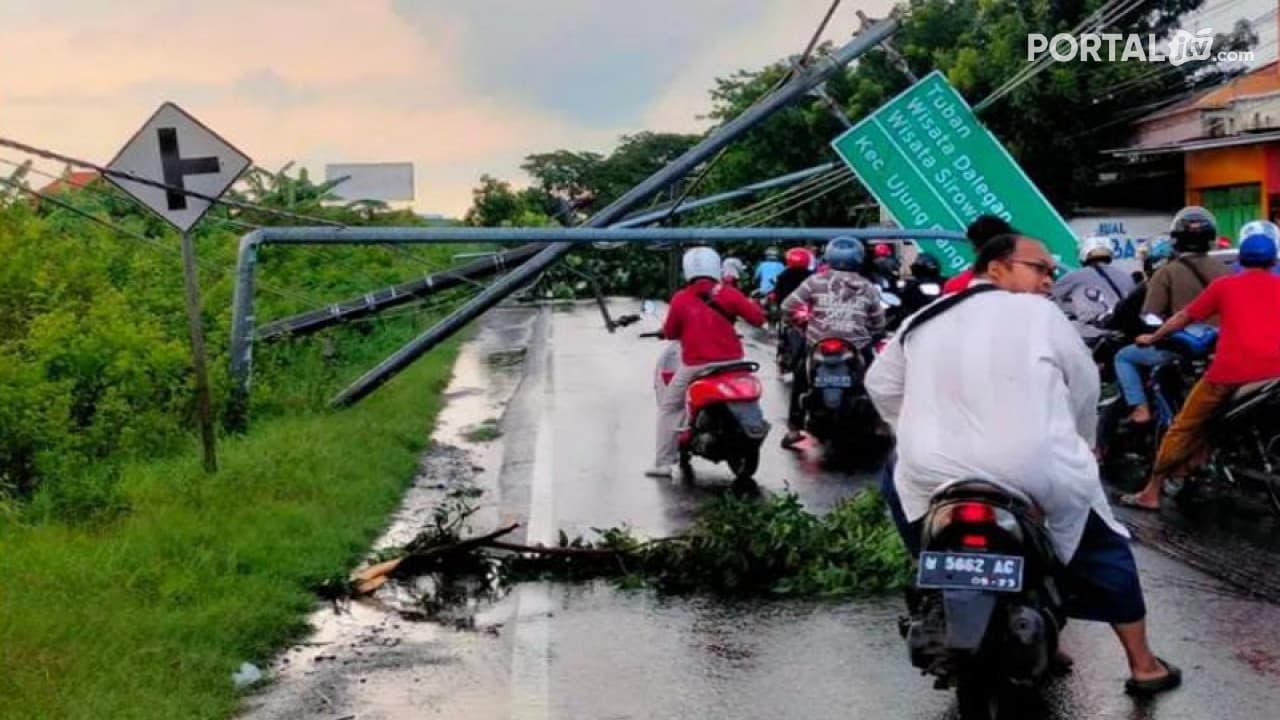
1169, 681
1131, 501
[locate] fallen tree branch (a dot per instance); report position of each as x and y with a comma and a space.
375, 576
556, 551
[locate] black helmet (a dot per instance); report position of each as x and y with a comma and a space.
926, 267
1193, 229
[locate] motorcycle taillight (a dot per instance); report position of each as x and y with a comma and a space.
831, 347
740, 387
974, 513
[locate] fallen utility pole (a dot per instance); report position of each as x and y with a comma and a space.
797, 87
242, 321
394, 296
397, 295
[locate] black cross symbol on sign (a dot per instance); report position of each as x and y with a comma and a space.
176, 167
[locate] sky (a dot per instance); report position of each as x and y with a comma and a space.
458, 87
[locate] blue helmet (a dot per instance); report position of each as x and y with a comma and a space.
844, 253
1161, 248
1258, 251
1260, 227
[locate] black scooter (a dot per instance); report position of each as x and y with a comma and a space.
986, 612
838, 411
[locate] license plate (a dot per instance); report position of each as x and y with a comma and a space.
833, 381
966, 571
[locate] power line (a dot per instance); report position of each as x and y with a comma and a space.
1036, 66
805, 201
106, 171
804, 58
89, 187
735, 217
133, 234
1100, 18
763, 215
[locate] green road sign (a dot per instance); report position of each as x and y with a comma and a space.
931, 164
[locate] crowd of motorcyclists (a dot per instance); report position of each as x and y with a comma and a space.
946, 396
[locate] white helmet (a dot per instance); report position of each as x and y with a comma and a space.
701, 262
732, 267
1095, 248
1260, 227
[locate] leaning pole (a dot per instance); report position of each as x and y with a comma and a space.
797, 87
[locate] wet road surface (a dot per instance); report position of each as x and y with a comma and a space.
576, 409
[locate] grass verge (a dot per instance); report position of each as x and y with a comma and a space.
148, 614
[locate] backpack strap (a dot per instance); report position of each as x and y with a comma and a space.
941, 306
1114, 288
710, 300
1204, 283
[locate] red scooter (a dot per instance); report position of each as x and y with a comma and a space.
724, 422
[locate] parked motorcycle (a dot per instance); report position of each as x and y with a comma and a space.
986, 612
724, 422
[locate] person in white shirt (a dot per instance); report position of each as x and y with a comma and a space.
1000, 387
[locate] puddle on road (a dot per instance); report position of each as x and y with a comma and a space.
408, 632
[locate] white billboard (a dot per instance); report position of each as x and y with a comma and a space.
389, 182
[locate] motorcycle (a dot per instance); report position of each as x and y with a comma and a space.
985, 610
894, 312
911, 298
838, 411
1126, 451
1244, 455
768, 301
791, 342
723, 419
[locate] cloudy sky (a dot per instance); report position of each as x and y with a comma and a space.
458, 87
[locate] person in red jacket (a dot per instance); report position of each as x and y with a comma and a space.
980, 231
701, 318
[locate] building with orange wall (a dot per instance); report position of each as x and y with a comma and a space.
1229, 142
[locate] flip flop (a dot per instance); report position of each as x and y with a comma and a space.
1171, 680
1131, 501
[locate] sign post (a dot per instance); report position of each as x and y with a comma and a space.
173, 148
204, 405
931, 164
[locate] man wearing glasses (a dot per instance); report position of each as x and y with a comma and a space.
995, 384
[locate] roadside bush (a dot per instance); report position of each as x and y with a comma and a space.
95, 362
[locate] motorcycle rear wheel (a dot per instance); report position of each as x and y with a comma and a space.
744, 463
978, 696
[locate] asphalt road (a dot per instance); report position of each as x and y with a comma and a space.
576, 413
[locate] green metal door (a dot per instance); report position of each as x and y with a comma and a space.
1233, 206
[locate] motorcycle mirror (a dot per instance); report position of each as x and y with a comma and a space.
649, 307
931, 289
1152, 320
889, 300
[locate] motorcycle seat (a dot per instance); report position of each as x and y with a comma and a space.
989, 490
1245, 391
721, 368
